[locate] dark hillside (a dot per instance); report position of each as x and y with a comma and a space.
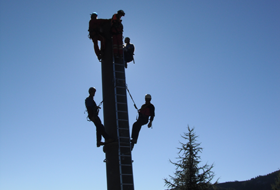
257, 183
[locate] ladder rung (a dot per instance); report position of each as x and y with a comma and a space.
121, 86
124, 155
121, 111
120, 82
126, 164
127, 183
121, 103
120, 95
125, 174
123, 128
124, 137
125, 146
124, 150
125, 143
122, 119
119, 71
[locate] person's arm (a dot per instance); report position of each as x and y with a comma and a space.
152, 109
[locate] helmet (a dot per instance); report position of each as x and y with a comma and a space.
91, 89
94, 13
148, 96
121, 12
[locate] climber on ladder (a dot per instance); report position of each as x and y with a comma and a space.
117, 31
95, 30
146, 111
128, 51
93, 111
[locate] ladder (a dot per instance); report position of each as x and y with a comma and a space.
124, 149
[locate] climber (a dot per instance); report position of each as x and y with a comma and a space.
147, 111
93, 110
117, 30
95, 34
128, 51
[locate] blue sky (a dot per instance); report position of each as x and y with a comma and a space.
213, 65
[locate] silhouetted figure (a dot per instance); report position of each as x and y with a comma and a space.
117, 30
93, 111
95, 31
128, 51
146, 111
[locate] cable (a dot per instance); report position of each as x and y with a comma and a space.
131, 98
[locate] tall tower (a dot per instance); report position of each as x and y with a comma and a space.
118, 154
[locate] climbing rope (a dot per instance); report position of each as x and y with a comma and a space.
131, 98
100, 103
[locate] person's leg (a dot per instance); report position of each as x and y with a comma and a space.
136, 129
102, 41
95, 45
100, 129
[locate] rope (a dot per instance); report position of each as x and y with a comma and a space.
100, 103
131, 97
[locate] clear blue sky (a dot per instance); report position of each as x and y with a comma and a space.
213, 65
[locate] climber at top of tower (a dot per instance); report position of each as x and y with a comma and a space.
95, 33
117, 30
116, 18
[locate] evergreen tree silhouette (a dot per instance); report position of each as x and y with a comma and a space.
189, 175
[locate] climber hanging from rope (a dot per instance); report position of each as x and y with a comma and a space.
93, 111
146, 112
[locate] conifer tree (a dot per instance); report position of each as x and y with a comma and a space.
189, 175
